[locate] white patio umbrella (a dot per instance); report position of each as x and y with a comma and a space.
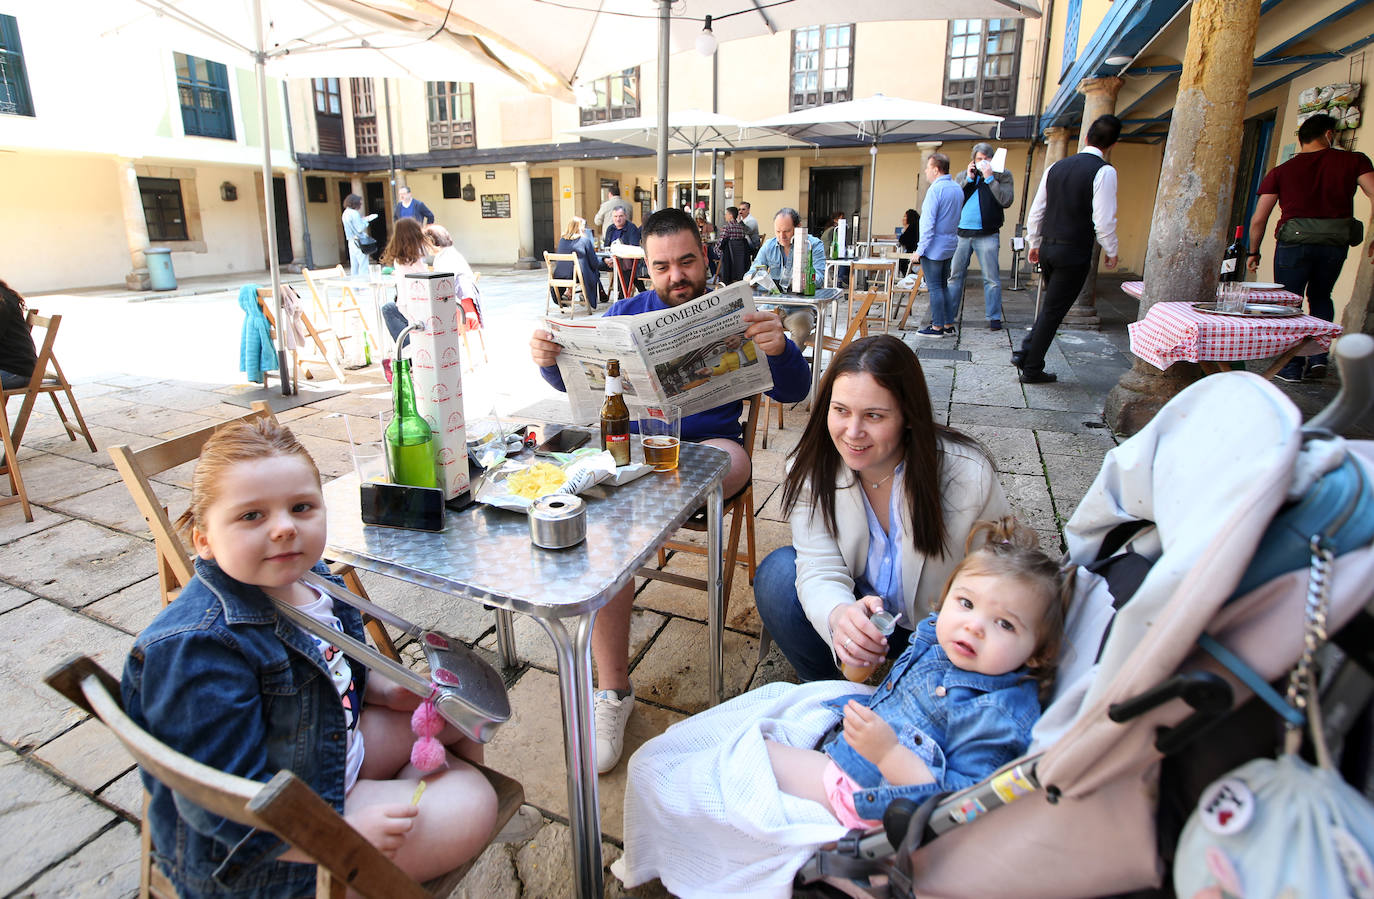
304, 38
581, 40
878, 118
692, 130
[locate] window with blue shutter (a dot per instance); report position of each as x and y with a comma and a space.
1075, 13
15, 98
203, 87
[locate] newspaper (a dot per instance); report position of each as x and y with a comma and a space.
694, 355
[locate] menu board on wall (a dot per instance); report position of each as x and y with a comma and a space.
495, 206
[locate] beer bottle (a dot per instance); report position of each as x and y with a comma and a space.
409, 440
615, 417
810, 288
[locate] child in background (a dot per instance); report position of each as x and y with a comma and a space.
221, 678
960, 702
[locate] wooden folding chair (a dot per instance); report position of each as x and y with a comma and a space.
284, 806
174, 566
47, 379
877, 277
907, 295
9, 456
557, 286
332, 362
346, 306
739, 507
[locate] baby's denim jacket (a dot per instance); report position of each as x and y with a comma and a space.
964, 725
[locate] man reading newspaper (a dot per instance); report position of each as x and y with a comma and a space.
677, 268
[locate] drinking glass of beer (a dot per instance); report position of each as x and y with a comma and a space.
660, 431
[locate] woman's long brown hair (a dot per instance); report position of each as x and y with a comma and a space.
407, 245
816, 463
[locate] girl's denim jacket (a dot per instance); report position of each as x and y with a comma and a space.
220, 678
962, 724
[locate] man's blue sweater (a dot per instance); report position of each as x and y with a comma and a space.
791, 379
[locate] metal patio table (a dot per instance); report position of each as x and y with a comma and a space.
824, 297
485, 555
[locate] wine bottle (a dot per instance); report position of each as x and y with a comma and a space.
615, 417
810, 287
409, 440
1230, 262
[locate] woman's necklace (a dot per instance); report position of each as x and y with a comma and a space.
875, 486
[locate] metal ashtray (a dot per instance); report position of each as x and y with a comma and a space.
1252, 310
558, 521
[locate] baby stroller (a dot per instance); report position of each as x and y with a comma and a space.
1194, 574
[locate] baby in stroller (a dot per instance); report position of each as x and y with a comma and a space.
704, 814
965, 693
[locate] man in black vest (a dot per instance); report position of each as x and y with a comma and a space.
1076, 202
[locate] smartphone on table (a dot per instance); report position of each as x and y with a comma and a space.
565, 441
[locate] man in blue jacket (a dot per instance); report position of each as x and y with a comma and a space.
986, 194
677, 267
412, 209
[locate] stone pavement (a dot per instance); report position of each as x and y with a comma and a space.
80, 577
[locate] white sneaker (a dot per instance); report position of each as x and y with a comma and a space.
610, 715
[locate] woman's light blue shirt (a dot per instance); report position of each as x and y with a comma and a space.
883, 570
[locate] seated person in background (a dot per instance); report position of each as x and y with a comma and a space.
708, 232
909, 238
776, 254
677, 268
448, 259
577, 238
405, 253
621, 230
17, 353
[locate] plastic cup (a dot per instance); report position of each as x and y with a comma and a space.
660, 431
367, 450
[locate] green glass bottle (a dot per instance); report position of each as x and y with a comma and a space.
809, 288
409, 440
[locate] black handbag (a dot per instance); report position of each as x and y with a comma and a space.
367, 244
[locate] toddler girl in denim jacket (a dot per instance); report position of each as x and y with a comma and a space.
959, 702
221, 678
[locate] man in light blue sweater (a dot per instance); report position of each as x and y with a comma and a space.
939, 237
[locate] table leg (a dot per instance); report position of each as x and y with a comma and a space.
1281, 361
505, 638
574, 654
816, 357
715, 589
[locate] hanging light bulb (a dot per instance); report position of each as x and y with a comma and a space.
706, 41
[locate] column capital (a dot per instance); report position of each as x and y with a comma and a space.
522, 164
1057, 132
1108, 85
929, 144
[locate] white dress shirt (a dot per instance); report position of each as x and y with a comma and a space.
1104, 208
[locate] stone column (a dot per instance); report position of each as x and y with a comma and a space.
1359, 312
1056, 146
356, 187
1196, 182
1099, 99
924, 148
296, 217
135, 226
524, 205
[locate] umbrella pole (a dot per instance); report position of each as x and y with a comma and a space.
269, 195
694, 179
872, 178
664, 8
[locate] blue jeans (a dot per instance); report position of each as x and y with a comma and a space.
986, 247
11, 381
775, 596
936, 273
396, 322
357, 260
1312, 269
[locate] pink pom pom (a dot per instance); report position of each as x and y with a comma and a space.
427, 754
426, 721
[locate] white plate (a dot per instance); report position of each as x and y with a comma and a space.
1264, 285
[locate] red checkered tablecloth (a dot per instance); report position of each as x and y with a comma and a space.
1173, 332
1284, 297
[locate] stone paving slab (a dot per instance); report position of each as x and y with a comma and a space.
1090, 444
13, 526
1013, 450
113, 506
105, 868
173, 394
103, 437
53, 820
151, 421
455, 616
131, 609
674, 671
76, 562
962, 414
530, 748
34, 638
1030, 500
988, 385
89, 755
125, 794
50, 478
13, 598
1070, 479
